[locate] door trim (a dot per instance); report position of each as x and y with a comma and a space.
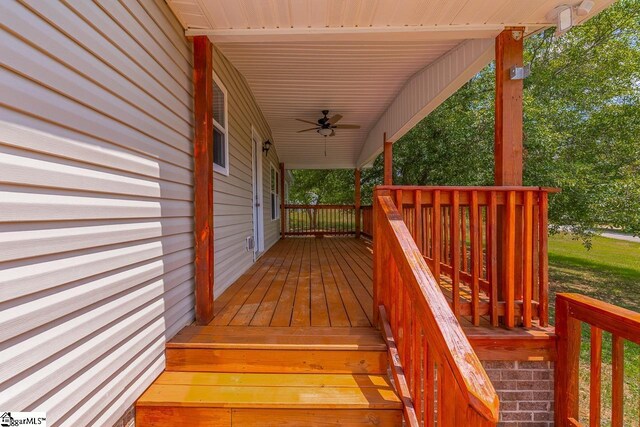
257, 185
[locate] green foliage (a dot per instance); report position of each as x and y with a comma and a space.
581, 127
314, 187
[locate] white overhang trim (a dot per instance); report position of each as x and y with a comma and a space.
426, 90
382, 33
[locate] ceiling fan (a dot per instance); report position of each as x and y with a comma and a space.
326, 125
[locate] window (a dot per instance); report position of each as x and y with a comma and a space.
275, 193
220, 128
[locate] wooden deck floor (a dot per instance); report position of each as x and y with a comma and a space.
303, 282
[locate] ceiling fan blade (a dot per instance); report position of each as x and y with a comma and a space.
306, 130
307, 121
346, 127
333, 120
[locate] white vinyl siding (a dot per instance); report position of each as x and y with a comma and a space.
233, 194
96, 203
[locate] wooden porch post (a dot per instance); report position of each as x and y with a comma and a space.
203, 176
282, 202
508, 165
357, 202
508, 108
388, 161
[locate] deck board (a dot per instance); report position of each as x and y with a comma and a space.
303, 282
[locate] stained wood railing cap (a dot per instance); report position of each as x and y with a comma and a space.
617, 320
467, 188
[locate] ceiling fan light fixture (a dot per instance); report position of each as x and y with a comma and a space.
324, 131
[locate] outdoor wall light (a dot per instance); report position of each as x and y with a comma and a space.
563, 15
266, 146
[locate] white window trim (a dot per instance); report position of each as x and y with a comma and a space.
223, 128
277, 175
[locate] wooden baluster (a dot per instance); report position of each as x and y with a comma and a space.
463, 232
527, 261
455, 256
440, 392
443, 233
417, 201
398, 201
429, 384
475, 259
543, 261
595, 377
449, 401
416, 363
408, 340
617, 382
492, 274
484, 253
428, 241
536, 258
567, 364
436, 228
509, 257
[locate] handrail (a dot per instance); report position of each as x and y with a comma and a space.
571, 311
431, 342
319, 220
486, 242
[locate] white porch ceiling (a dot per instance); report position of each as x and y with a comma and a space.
355, 79
358, 58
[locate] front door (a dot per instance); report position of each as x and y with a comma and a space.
258, 212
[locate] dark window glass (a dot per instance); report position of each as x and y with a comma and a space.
219, 148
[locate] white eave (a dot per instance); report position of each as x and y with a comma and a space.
382, 64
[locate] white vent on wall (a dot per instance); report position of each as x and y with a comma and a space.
249, 244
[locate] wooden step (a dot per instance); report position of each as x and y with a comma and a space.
277, 350
225, 399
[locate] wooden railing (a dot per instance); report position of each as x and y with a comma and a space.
437, 373
572, 311
317, 220
367, 221
490, 240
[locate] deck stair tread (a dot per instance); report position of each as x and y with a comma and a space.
246, 390
279, 338
278, 350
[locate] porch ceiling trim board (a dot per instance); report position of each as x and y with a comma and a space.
425, 91
349, 34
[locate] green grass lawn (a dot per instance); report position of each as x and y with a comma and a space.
610, 272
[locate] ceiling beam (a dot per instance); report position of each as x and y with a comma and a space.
326, 34
425, 91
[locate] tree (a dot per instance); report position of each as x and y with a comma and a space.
581, 127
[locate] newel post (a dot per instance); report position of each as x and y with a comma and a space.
377, 258
203, 177
357, 203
